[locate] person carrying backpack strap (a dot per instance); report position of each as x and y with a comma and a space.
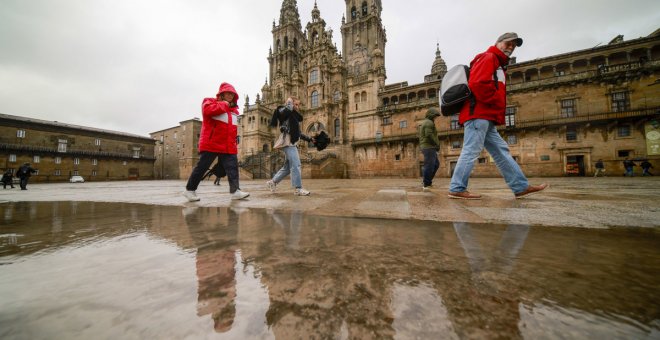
487, 84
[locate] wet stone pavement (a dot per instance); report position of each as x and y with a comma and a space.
374, 259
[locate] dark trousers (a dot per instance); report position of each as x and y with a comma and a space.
24, 181
431, 165
227, 161
4, 184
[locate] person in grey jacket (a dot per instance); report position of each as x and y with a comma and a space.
430, 145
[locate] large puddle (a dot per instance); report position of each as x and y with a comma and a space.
108, 270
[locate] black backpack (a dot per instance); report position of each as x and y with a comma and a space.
454, 90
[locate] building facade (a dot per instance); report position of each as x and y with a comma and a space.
564, 111
176, 150
59, 150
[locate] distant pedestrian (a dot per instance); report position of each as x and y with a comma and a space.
600, 168
646, 166
218, 140
628, 165
24, 173
479, 118
430, 145
7, 179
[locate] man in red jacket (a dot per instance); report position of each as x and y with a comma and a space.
218, 139
487, 83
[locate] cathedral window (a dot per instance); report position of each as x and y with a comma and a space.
357, 97
353, 12
336, 96
314, 76
315, 99
364, 97
337, 127
286, 42
364, 8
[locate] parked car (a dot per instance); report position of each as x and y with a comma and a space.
77, 179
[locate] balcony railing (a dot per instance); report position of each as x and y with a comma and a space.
579, 118
84, 153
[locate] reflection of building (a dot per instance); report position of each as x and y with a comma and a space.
565, 111
176, 150
59, 151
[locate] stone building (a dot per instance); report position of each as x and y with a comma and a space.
60, 150
176, 150
565, 111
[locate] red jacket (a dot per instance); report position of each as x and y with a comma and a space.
490, 99
219, 124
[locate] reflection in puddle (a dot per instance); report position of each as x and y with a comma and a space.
89, 270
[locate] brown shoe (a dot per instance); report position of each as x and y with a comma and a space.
531, 190
465, 195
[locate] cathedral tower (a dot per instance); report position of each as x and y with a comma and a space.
284, 57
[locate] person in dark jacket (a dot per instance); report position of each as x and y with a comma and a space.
600, 168
430, 145
487, 83
24, 173
629, 166
646, 167
218, 140
7, 179
288, 119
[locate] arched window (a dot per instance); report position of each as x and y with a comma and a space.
364, 8
337, 132
315, 99
353, 12
295, 43
277, 47
364, 97
314, 76
315, 37
357, 97
286, 42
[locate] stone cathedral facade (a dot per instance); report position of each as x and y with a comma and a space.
565, 111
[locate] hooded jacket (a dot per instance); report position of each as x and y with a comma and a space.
490, 95
428, 135
219, 123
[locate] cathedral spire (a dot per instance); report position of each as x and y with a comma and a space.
289, 13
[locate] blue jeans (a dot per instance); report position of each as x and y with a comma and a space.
291, 166
431, 165
480, 133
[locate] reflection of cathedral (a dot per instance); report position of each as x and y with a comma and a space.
564, 111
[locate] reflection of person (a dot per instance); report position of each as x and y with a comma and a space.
646, 166
218, 140
291, 227
215, 263
628, 165
288, 118
429, 144
600, 168
24, 173
7, 179
505, 316
479, 118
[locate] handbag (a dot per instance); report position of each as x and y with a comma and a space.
283, 140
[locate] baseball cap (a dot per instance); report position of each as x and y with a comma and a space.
509, 36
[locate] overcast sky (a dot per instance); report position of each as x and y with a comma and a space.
140, 66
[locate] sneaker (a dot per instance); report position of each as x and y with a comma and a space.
465, 195
239, 195
271, 185
191, 196
426, 188
532, 189
301, 192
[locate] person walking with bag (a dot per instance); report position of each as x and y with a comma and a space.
218, 140
487, 83
24, 173
288, 119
